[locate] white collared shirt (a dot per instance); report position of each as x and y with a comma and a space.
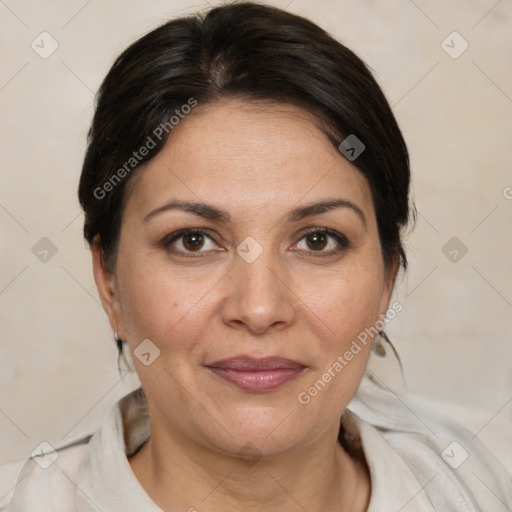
418, 462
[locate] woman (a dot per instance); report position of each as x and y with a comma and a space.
245, 190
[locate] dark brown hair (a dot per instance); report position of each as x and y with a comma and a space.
251, 52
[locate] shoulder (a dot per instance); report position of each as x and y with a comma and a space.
43, 482
450, 462
8, 477
49, 480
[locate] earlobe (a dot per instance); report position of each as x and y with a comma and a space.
390, 274
106, 286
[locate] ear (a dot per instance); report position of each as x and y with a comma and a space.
390, 273
106, 283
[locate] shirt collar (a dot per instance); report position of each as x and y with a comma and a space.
106, 481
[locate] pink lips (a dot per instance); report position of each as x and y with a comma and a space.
254, 374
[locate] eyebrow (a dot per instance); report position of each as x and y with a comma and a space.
212, 213
322, 207
201, 209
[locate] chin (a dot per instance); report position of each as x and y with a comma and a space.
259, 432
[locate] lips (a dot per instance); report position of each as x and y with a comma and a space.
256, 374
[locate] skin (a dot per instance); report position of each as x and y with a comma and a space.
257, 163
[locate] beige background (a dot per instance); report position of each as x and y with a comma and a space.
58, 366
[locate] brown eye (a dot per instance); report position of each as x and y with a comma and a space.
322, 242
193, 241
190, 241
316, 241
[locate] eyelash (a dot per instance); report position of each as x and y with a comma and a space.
342, 240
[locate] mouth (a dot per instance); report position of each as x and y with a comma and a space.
253, 374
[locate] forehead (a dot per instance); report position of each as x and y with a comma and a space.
248, 155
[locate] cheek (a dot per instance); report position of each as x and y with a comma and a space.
346, 302
159, 302
341, 313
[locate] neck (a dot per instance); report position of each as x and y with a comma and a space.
180, 475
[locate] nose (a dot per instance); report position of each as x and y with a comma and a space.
259, 295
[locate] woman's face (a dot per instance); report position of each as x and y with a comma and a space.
255, 283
